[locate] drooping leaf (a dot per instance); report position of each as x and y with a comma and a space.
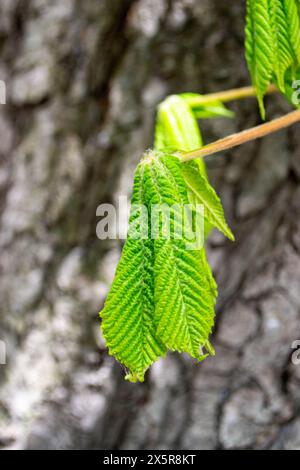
204, 193
283, 51
293, 25
164, 293
184, 291
272, 44
259, 47
127, 317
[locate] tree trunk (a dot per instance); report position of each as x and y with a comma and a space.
83, 81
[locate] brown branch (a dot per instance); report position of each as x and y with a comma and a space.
242, 137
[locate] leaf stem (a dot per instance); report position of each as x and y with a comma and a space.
228, 95
242, 137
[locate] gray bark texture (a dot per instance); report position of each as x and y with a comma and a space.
83, 81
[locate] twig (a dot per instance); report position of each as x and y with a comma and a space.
228, 95
242, 137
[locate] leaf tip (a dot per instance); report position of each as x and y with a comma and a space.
261, 107
210, 349
135, 377
230, 235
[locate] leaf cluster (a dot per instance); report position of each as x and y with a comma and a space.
273, 45
164, 293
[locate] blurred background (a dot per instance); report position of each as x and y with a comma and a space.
83, 79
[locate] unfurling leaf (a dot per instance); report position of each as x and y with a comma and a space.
163, 294
127, 318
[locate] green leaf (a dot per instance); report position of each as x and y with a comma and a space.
293, 25
184, 291
203, 193
177, 128
259, 47
283, 55
164, 293
272, 44
127, 317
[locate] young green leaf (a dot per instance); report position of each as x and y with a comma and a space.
127, 317
259, 47
203, 193
293, 25
183, 288
283, 52
177, 128
272, 44
164, 293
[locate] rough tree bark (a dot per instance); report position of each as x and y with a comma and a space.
83, 80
